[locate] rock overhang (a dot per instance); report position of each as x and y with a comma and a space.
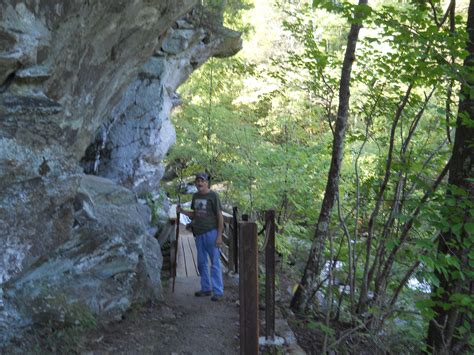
70, 72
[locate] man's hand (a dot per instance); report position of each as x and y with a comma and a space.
219, 240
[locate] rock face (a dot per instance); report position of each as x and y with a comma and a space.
86, 87
130, 145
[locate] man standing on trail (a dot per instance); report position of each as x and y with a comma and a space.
208, 224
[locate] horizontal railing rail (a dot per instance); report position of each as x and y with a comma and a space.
229, 248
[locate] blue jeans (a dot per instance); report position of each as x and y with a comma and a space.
206, 245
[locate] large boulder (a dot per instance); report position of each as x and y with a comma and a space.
87, 87
109, 262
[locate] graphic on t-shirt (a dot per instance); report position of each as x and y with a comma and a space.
200, 207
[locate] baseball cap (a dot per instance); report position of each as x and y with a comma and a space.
203, 176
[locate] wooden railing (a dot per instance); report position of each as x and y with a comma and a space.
239, 253
248, 283
167, 241
229, 249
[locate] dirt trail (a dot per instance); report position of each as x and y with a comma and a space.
184, 324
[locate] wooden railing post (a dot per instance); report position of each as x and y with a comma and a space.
235, 240
175, 263
248, 288
171, 236
270, 275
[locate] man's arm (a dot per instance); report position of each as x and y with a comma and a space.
190, 214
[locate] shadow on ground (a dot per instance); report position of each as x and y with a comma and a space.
183, 324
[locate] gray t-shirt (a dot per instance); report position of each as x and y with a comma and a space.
206, 207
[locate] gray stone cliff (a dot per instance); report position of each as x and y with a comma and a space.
86, 90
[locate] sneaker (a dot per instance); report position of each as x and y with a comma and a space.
216, 298
202, 293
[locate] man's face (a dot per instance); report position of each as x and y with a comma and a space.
202, 185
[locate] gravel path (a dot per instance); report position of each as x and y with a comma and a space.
184, 324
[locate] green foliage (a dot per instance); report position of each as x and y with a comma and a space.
454, 267
263, 123
155, 204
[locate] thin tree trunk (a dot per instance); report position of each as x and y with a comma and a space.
398, 199
383, 279
442, 327
351, 270
329, 293
369, 271
362, 305
452, 30
352, 251
316, 261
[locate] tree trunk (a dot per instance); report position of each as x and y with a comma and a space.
315, 262
455, 243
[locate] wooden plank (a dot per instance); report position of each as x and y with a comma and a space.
187, 255
224, 252
190, 266
181, 262
225, 238
270, 275
176, 224
248, 288
173, 258
192, 248
234, 249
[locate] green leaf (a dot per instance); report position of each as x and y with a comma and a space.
425, 243
425, 307
469, 227
457, 229
312, 325
461, 299
361, 12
